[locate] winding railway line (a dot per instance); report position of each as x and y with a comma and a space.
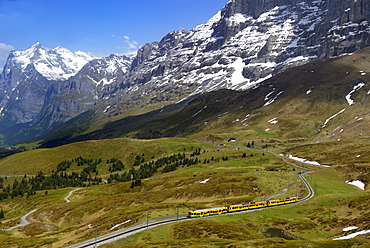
125, 232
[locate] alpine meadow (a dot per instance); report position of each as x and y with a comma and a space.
250, 130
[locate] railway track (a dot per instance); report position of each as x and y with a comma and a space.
125, 232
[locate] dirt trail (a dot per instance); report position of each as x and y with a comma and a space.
24, 221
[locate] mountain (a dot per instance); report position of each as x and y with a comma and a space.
248, 41
43, 87
28, 74
71, 97
245, 43
54, 64
324, 100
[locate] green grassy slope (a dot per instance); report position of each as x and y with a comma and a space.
240, 178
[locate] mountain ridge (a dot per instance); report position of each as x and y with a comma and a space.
242, 45
324, 100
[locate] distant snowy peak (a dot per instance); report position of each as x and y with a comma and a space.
106, 70
54, 64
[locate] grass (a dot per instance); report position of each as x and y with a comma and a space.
318, 219
322, 217
46, 160
233, 181
240, 179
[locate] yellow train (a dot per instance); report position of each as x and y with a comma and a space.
240, 207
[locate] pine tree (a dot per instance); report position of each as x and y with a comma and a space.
2, 214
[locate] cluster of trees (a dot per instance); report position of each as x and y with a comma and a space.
64, 165
17, 189
117, 165
85, 161
250, 144
90, 164
1, 182
134, 183
29, 185
183, 163
196, 152
139, 159
145, 170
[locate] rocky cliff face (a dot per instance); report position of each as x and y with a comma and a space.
22, 93
247, 42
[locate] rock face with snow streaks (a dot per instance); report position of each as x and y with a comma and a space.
69, 98
250, 40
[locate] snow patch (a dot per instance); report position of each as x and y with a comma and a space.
237, 77
273, 121
106, 109
331, 117
197, 113
239, 18
273, 100
205, 181
353, 235
305, 161
127, 221
357, 183
355, 88
350, 228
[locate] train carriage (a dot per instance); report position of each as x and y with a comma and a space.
276, 202
207, 212
238, 207
291, 199
260, 204
283, 201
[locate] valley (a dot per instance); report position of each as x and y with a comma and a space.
265, 100
249, 174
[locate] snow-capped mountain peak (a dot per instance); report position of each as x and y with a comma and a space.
54, 64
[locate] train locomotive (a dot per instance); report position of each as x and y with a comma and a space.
240, 207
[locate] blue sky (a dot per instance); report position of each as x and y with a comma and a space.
100, 27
